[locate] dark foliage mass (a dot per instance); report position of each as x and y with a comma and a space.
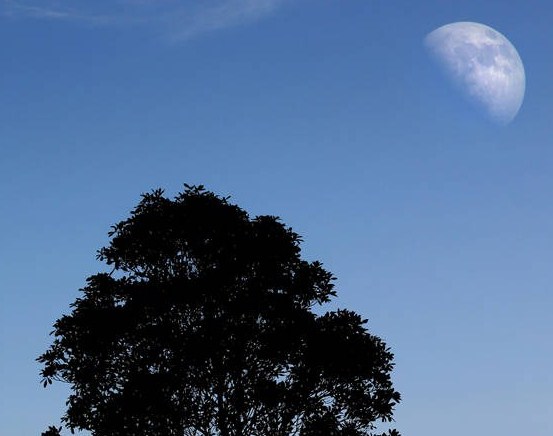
205, 327
52, 431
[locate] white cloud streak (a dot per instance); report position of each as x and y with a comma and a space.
175, 19
226, 14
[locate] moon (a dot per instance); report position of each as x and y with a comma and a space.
484, 64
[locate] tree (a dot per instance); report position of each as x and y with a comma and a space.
205, 327
52, 431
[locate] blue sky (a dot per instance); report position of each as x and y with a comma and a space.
330, 114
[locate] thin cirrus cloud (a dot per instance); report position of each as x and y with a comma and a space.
175, 19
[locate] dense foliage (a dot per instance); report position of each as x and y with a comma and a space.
205, 327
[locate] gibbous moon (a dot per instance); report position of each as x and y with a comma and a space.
485, 65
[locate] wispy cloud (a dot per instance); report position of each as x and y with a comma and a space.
175, 19
50, 10
225, 14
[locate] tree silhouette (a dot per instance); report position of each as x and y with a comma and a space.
52, 431
205, 327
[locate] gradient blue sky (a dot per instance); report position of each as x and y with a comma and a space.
437, 223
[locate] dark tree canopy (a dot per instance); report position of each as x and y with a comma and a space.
205, 327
